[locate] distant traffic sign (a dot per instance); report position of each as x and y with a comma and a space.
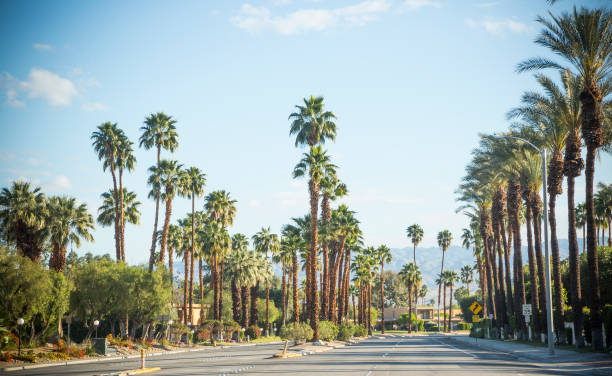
526, 309
475, 308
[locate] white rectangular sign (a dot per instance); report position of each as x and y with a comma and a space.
526, 309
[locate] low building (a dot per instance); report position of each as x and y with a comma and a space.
198, 315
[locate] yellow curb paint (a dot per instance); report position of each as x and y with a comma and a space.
140, 371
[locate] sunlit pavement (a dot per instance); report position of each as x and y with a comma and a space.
378, 355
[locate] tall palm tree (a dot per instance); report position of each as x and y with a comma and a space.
284, 257
68, 222
240, 244
106, 143
266, 242
383, 255
23, 212
125, 161
175, 242
311, 123
408, 273
243, 269
216, 243
159, 131
331, 189
423, 293
444, 241
451, 278
415, 233
169, 174
581, 222
583, 38
467, 276
316, 164
604, 196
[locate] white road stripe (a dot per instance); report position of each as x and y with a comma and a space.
455, 348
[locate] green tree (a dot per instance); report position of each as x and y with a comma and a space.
444, 242
23, 211
67, 223
266, 242
467, 276
583, 38
106, 211
383, 255
159, 131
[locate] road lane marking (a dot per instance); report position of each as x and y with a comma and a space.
455, 348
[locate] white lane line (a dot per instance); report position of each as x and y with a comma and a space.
456, 348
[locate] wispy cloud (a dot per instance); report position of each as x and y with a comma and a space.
498, 26
59, 183
254, 19
488, 4
94, 107
11, 99
417, 4
56, 90
42, 47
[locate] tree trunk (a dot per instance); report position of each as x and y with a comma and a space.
354, 314
556, 266
162, 248
185, 286
122, 215
284, 293
201, 278
58, 258
533, 287
369, 309
220, 287
191, 268
154, 237
254, 316
382, 296
235, 301
326, 216
117, 215
410, 306
296, 308
450, 308
444, 305
244, 295
267, 330
514, 206
171, 269
313, 187
440, 286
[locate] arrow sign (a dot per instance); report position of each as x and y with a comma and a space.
475, 308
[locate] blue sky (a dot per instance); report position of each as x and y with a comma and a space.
412, 83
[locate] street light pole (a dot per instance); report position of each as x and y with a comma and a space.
549, 312
20, 322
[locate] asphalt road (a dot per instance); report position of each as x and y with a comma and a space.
377, 356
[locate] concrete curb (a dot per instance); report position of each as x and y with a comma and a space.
133, 356
132, 372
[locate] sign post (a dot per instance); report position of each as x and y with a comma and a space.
527, 314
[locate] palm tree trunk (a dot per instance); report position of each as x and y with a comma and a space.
326, 216
450, 307
444, 305
506, 250
354, 313
440, 286
369, 309
191, 268
267, 309
244, 295
514, 206
200, 267
382, 296
410, 307
122, 215
185, 286
284, 293
117, 215
254, 319
313, 187
556, 266
235, 301
536, 211
154, 237
220, 287
533, 276
296, 308
162, 250
574, 261
171, 269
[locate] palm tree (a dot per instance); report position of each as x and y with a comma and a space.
243, 269
584, 39
169, 174
284, 257
408, 275
292, 236
106, 211
331, 189
216, 242
266, 242
23, 212
67, 223
452, 277
316, 164
311, 123
444, 242
415, 233
467, 276
423, 293
106, 143
175, 242
125, 161
383, 254
159, 132
604, 196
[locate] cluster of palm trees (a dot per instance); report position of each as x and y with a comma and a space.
500, 189
34, 223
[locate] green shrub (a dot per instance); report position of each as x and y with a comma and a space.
296, 332
345, 332
253, 332
328, 331
464, 326
360, 331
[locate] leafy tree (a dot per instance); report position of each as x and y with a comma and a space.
67, 223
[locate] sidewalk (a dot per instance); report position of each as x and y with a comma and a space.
529, 352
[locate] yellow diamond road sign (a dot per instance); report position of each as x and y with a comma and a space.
475, 308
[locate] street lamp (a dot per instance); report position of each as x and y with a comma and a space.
170, 322
549, 312
96, 323
20, 322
